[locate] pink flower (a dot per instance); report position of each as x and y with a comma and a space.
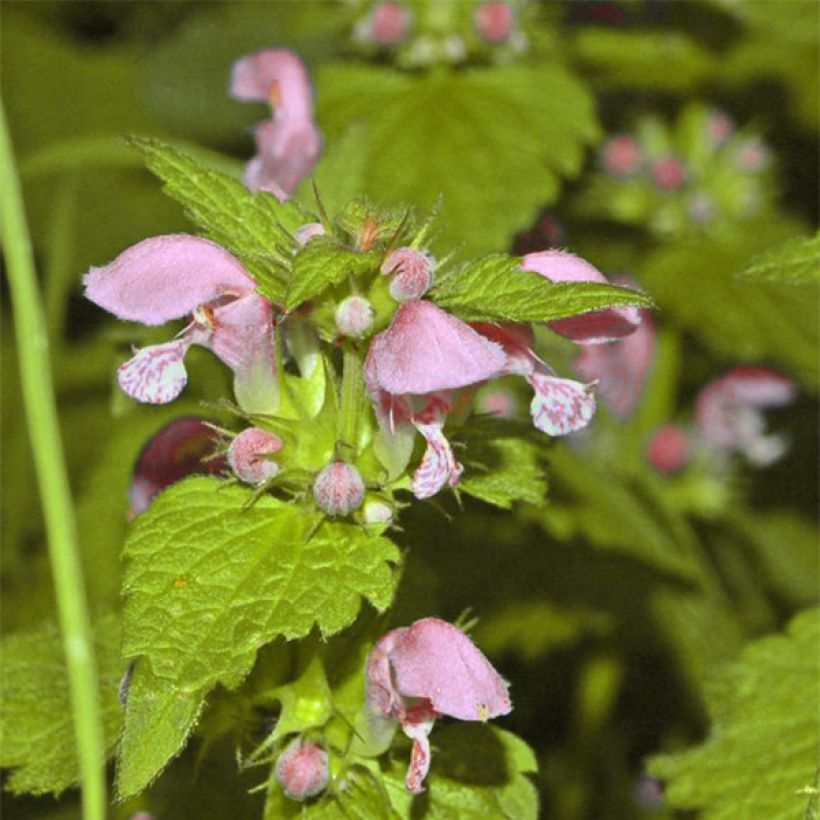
410, 368
729, 414
494, 21
182, 447
287, 145
302, 769
668, 173
620, 368
429, 669
622, 156
595, 327
668, 449
168, 277
559, 406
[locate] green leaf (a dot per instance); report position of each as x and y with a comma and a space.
762, 749
493, 288
322, 263
796, 262
494, 140
253, 225
36, 729
477, 771
209, 583
502, 471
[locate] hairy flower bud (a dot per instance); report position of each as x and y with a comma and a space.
246, 455
377, 511
302, 769
338, 489
668, 173
412, 273
668, 449
494, 21
306, 232
389, 23
354, 316
622, 155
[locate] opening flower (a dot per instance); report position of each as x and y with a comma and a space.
247, 455
287, 145
168, 277
430, 669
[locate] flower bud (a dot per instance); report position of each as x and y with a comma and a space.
668, 449
246, 455
306, 232
621, 156
302, 770
752, 155
668, 173
494, 21
390, 23
719, 127
377, 511
412, 273
354, 316
338, 489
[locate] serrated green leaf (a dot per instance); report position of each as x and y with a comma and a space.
36, 728
796, 262
478, 771
252, 225
209, 582
762, 749
495, 289
494, 141
503, 471
322, 263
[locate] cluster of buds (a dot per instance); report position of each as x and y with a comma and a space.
429, 32
697, 174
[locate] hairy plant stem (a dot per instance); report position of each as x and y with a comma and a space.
41, 416
351, 401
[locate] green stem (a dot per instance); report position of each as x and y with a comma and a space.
351, 401
41, 415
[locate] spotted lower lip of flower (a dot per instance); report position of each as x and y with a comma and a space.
167, 277
429, 669
287, 145
595, 327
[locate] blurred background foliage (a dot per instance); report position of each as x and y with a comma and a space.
609, 606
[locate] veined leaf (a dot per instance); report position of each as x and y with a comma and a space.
252, 225
36, 729
762, 750
322, 263
209, 583
493, 288
796, 262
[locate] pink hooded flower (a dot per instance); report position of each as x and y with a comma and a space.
620, 368
287, 145
182, 447
595, 327
168, 277
410, 368
559, 406
429, 669
729, 414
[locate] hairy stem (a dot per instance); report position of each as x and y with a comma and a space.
41, 417
351, 401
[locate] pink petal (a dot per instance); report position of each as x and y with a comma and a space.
620, 368
596, 326
286, 150
517, 340
164, 278
560, 406
419, 756
275, 76
438, 465
156, 374
426, 349
433, 659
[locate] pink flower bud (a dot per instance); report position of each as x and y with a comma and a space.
390, 23
302, 770
377, 511
622, 155
246, 455
668, 449
354, 316
306, 232
412, 273
668, 173
338, 489
494, 21
752, 155
719, 127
